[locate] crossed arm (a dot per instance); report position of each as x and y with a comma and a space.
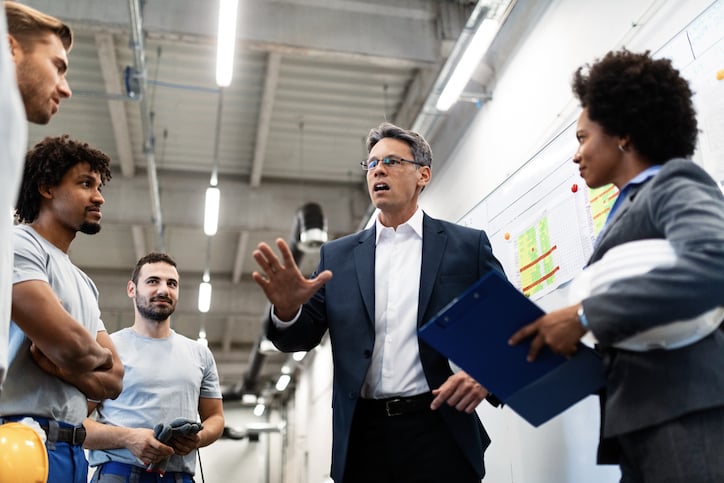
63, 347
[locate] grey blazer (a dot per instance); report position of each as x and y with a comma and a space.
684, 205
453, 258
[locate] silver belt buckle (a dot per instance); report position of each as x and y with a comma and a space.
389, 410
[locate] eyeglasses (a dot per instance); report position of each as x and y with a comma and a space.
389, 162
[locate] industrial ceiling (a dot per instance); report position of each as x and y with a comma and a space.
311, 77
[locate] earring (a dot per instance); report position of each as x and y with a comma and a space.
621, 148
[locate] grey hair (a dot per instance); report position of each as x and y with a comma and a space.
421, 151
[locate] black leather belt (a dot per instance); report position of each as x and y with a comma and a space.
53, 432
397, 406
74, 436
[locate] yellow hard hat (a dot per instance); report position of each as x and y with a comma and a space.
23, 458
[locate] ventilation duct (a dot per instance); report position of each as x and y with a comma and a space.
310, 229
253, 430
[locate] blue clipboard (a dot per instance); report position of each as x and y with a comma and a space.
473, 331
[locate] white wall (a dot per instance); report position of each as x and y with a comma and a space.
532, 101
532, 98
310, 430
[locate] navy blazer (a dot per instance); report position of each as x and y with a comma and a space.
453, 258
684, 205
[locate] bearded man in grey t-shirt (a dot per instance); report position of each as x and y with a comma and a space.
124, 440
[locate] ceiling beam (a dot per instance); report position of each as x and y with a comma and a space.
375, 59
109, 69
404, 9
265, 112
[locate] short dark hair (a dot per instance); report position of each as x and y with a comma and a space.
421, 151
46, 164
27, 24
153, 257
632, 94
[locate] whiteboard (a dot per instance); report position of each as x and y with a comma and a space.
543, 220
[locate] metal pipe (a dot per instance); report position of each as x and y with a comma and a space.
139, 59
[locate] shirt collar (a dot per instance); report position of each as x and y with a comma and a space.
415, 223
644, 175
640, 178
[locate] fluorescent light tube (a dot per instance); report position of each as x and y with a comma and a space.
248, 399
259, 409
468, 62
226, 41
283, 382
211, 211
204, 296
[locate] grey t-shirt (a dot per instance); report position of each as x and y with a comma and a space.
163, 380
28, 390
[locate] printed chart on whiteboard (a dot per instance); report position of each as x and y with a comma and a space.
543, 230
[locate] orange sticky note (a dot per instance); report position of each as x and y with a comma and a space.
720, 74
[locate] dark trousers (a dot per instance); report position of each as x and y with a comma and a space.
689, 449
414, 447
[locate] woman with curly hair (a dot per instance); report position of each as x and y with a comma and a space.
60, 354
663, 405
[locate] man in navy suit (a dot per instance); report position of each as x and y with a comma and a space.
400, 414
663, 418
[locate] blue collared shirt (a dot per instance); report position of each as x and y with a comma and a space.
640, 178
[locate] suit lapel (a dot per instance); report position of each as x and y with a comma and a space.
434, 240
607, 229
364, 261
620, 212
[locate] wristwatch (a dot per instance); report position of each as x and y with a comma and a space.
582, 317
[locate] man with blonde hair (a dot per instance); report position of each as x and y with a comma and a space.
39, 46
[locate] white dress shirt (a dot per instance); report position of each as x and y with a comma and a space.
396, 369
